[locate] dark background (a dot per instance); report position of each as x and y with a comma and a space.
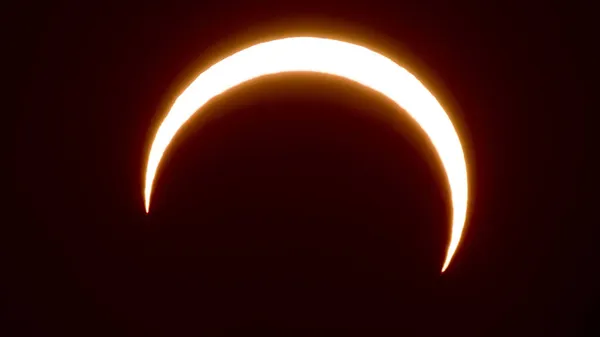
298, 204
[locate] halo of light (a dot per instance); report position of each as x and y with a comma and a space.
331, 57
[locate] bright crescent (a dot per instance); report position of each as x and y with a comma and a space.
332, 57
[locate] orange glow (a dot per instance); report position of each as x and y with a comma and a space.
337, 58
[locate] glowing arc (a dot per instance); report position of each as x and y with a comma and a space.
337, 58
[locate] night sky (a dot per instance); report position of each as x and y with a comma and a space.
297, 204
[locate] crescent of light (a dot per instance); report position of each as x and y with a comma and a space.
332, 57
